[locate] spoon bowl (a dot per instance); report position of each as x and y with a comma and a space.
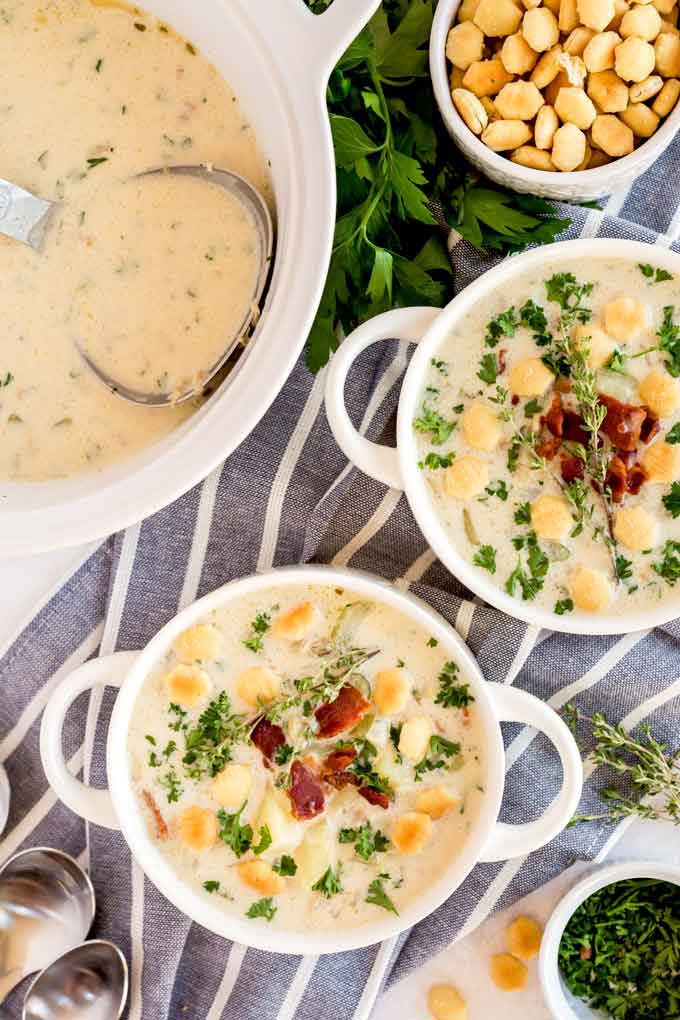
46, 908
90, 982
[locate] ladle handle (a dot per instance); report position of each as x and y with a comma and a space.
92, 804
23, 216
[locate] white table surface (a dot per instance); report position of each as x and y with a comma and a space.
27, 584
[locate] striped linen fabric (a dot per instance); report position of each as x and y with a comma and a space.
285, 496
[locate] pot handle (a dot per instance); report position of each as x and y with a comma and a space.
506, 841
379, 462
93, 805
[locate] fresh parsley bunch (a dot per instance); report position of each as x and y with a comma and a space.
394, 158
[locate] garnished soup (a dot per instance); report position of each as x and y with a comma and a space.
308, 758
150, 276
549, 435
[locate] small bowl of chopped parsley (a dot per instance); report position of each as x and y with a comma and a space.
612, 946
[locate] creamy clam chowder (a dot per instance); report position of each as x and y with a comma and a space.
148, 275
549, 435
307, 758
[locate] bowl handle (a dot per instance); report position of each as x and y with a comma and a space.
325, 37
506, 841
380, 462
93, 805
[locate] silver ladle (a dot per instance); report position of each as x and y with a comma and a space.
26, 218
4, 798
46, 908
89, 982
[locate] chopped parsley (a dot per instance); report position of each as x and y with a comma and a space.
618, 362
669, 567
209, 744
654, 275
441, 366
563, 606
6, 380
171, 784
238, 837
669, 340
532, 407
433, 423
434, 461
568, 293
283, 754
673, 436
623, 568
265, 837
98, 66
671, 500
211, 885
96, 161
533, 317
285, 867
367, 840
488, 369
523, 513
432, 642
329, 884
485, 557
452, 693
500, 490
528, 578
180, 715
441, 751
258, 628
504, 324
377, 895
262, 908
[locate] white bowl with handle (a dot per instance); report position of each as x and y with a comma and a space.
277, 57
398, 468
488, 840
560, 1000
566, 187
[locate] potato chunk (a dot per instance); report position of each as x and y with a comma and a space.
415, 737
520, 100
661, 462
297, 622
524, 938
465, 45
600, 346
596, 14
411, 832
589, 589
659, 393
446, 1003
497, 17
540, 29
200, 643
634, 58
530, 378
313, 856
625, 318
635, 528
466, 478
508, 973
486, 77
573, 106
260, 876
551, 517
257, 686
481, 427
275, 812
611, 134
231, 786
187, 685
391, 691
609, 92
197, 828
436, 802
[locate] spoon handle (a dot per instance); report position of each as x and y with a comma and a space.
23, 215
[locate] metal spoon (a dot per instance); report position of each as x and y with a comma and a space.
25, 217
46, 908
4, 798
89, 982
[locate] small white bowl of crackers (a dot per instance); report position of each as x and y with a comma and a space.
568, 99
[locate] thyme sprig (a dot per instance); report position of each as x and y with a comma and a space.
338, 665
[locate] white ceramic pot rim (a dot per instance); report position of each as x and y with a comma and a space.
120, 810
399, 468
548, 967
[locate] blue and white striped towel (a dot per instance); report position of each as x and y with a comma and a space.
286, 496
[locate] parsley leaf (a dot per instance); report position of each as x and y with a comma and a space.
671, 500
434, 461
531, 582
669, 340
532, 407
452, 694
654, 275
566, 290
500, 490
624, 568
283, 754
330, 883
485, 557
523, 513
367, 840
618, 362
669, 567
533, 317
238, 837
262, 908
432, 422
258, 628
441, 751
504, 324
673, 436
211, 885
563, 606
286, 866
209, 744
488, 369
265, 840
377, 896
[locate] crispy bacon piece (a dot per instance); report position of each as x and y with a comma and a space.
571, 468
514, 400
636, 479
267, 738
337, 761
628, 457
650, 427
374, 796
573, 430
345, 778
341, 714
547, 446
616, 478
553, 419
305, 792
502, 355
161, 824
623, 422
